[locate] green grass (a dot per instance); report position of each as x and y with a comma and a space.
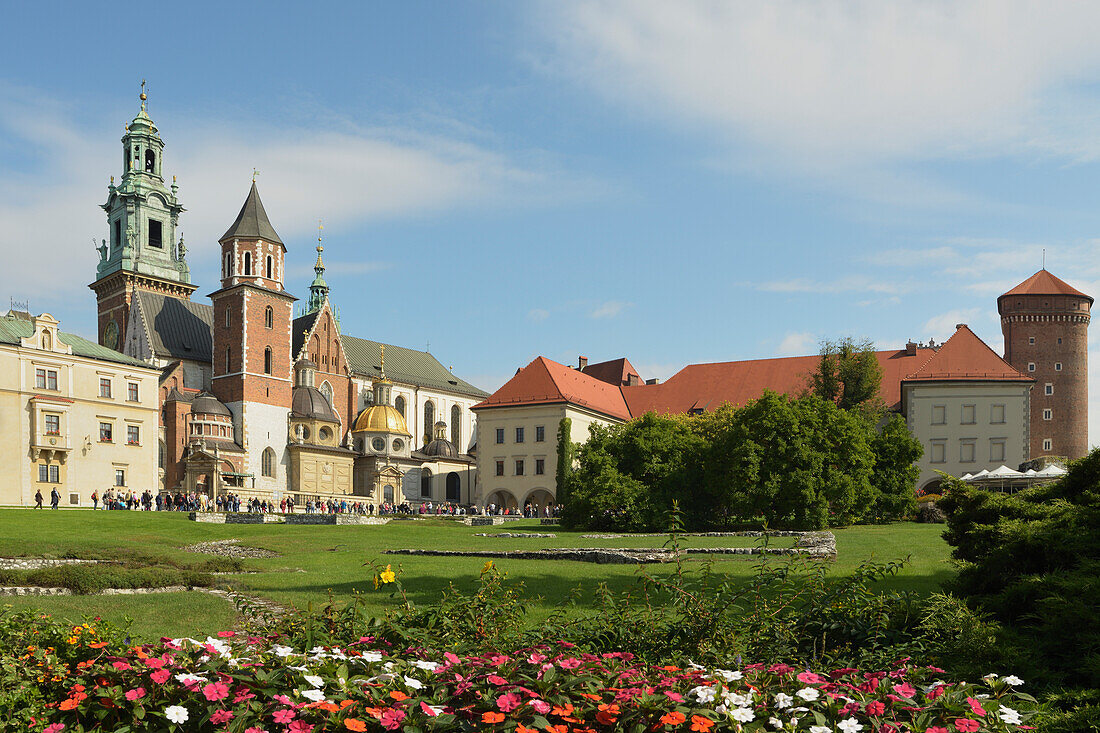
318, 559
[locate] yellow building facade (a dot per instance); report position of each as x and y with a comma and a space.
79, 417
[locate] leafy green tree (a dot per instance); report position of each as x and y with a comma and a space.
566, 455
895, 475
848, 374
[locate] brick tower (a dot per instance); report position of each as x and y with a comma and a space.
252, 341
1045, 324
142, 215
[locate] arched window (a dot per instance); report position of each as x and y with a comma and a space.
227, 353
267, 467
150, 161
267, 360
429, 420
228, 264
425, 484
163, 453
270, 268
269, 317
247, 263
326, 390
399, 405
456, 427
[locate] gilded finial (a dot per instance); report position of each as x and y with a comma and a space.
142, 96
320, 248
112, 180
382, 359
254, 174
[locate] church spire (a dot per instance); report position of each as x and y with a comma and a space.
318, 289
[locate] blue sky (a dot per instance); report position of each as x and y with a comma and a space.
673, 182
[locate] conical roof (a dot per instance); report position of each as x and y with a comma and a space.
252, 222
1044, 283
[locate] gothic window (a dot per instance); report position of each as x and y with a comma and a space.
429, 419
268, 463
150, 161
247, 264
156, 236
270, 268
228, 318
399, 405
269, 317
425, 484
267, 360
228, 264
326, 390
456, 427
227, 352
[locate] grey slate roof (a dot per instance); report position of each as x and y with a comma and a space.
13, 328
178, 329
252, 222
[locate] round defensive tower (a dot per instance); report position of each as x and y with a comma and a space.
1045, 323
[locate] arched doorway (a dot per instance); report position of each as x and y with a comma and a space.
502, 499
539, 499
387, 493
425, 483
935, 486
454, 488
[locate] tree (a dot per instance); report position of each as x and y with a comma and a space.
895, 476
565, 459
848, 374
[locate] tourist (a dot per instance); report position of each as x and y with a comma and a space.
38, 499
55, 498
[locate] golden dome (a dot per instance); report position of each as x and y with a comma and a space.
381, 419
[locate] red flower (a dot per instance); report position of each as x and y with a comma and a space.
673, 718
391, 718
975, 706
966, 725
300, 726
216, 691
160, 676
135, 694
491, 717
875, 708
283, 716
936, 729
221, 716
509, 702
810, 678
701, 724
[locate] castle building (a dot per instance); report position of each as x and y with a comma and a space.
256, 398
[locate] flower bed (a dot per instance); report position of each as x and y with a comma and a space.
253, 684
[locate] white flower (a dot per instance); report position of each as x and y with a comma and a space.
388, 666
176, 713
314, 695
314, 680
775, 723
372, 656
188, 678
204, 658
783, 700
428, 666
436, 709
702, 693
820, 729
696, 667
282, 651
990, 676
850, 725
1012, 680
317, 650
413, 683
742, 715
1010, 716
809, 694
737, 699
981, 696
296, 668
728, 676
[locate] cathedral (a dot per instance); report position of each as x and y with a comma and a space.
259, 397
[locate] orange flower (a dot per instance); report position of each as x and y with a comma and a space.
68, 704
492, 717
556, 729
355, 724
608, 713
701, 724
328, 707
673, 718
567, 710
399, 695
521, 728
589, 695
97, 645
346, 703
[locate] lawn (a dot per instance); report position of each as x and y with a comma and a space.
317, 560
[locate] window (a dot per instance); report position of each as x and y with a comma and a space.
500, 468
996, 414
132, 391
519, 467
425, 484
150, 161
966, 451
267, 360
106, 432
133, 435
228, 266
104, 387
269, 317
429, 419
540, 434
939, 414
1048, 388
45, 379
500, 436
53, 425
399, 405
540, 466
49, 473
155, 234
519, 435
1048, 444
1059, 341
456, 427
270, 268
267, 463
1057, 366
939, 451
1031, 340
997, 450
228, 317
1048, 414
120, 477
118, 234
326, 392
247, 264
227, 354
1031, 366
968, 415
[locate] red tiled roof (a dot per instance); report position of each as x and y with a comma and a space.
544, 382
616, 371
708, 386
966, 357
1044, 283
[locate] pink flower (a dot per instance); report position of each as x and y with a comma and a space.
569, 663
283, 699
541, 706
509, 702
136, 694
154, 663
121, 666
975, 706
391, 718
499, 659
905, 690
242, 695
300, 726
427, 709
780, 669
254, 729
216, 691
226, 634
936, 729
55, 728
283, 716
450, 657
810, 678
536, 658
160, 676
674, 696
495, 680
966, 725
221, 716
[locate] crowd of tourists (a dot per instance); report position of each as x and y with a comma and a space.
530, 511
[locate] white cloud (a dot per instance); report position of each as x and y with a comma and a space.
853, 84
941, 327
797, 344
538, 314
610, 309
843, 284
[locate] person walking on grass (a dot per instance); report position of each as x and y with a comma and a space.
95, 500
38, 499
55, 498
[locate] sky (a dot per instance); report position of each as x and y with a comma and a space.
672, 182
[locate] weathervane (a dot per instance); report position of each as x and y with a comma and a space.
254, 174
142, 95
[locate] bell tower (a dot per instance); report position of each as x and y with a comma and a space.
143, 212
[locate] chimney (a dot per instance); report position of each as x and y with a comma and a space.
633, 380
653, 381
582, 362
959, 325
911, 348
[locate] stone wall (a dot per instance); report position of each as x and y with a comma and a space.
34, 563
335, 519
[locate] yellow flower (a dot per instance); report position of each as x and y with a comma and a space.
487, 566
387, 575
72, 640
